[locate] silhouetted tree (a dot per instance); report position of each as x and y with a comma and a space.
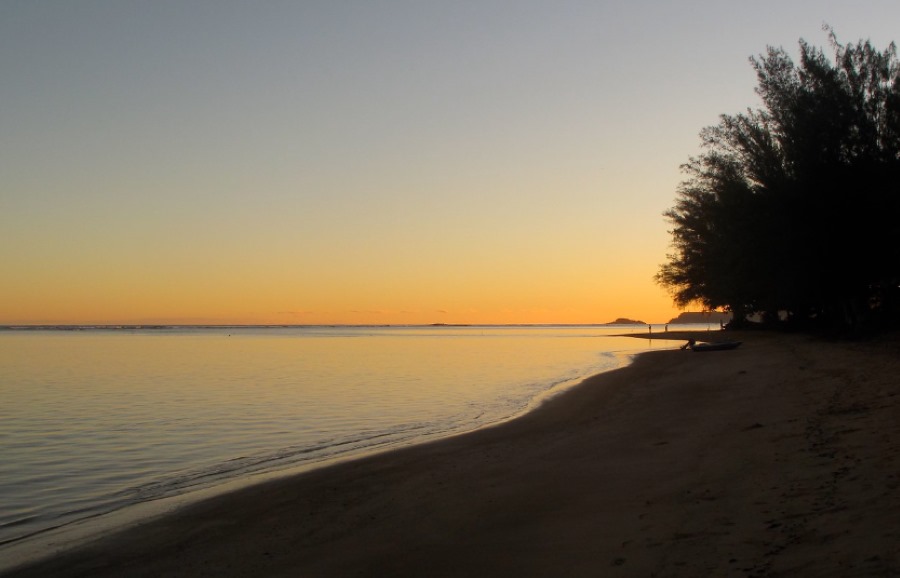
794, 208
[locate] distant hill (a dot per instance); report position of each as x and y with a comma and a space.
625, 321
701, 317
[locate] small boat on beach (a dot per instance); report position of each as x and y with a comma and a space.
715, 345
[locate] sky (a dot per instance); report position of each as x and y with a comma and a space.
365, 162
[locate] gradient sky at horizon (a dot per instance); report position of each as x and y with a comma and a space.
220, 161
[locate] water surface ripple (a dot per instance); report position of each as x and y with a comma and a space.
95, 420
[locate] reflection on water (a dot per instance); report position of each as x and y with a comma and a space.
94, 420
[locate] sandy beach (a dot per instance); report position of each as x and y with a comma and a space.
779, 458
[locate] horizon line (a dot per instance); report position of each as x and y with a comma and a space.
27, 326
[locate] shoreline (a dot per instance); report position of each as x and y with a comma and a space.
772, 459
72, 534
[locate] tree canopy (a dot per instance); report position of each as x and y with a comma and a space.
792, 210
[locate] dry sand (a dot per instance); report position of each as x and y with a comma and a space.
779, 458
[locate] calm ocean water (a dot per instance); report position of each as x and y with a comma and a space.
96, 420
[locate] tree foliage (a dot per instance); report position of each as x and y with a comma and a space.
792, 210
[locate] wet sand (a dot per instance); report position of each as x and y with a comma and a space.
780, 458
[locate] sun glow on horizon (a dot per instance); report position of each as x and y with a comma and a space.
453, 305
316, 163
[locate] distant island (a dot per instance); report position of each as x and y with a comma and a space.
702, 317
684, 317
625, 321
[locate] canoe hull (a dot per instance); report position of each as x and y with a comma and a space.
716, 346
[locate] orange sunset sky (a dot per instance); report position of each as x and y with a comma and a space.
364, 162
